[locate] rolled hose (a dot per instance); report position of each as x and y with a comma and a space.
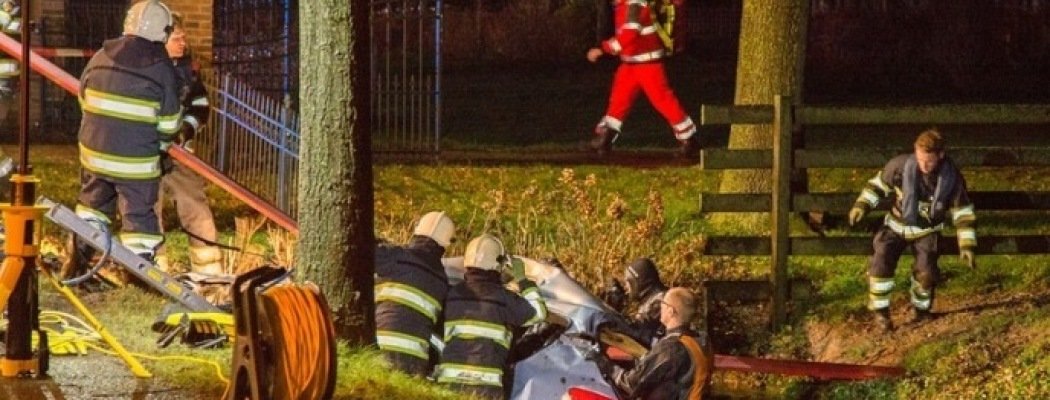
302, 360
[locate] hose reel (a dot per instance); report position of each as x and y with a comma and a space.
285, 346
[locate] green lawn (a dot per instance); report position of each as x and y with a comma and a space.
596, 218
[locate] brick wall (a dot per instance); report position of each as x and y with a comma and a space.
197, 18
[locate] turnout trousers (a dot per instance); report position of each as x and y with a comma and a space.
102, 198
889, 246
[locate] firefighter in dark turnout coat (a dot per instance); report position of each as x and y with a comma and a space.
410, 295
930, 192
480, 318
130, 104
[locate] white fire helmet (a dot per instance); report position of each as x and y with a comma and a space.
484, 252
150, 20
438, 226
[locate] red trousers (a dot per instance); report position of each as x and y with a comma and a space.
632, 79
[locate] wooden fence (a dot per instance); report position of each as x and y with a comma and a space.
785, 158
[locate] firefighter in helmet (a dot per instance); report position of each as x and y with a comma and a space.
410, 294
130, 103
481, 316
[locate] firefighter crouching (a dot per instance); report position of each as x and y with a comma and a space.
480, 316
410, 294
930, 191
130, 103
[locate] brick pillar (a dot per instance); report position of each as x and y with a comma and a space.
197, 19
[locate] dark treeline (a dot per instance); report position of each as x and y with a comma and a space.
970, 46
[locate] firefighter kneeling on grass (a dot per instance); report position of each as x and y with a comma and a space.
410, 294
481, 316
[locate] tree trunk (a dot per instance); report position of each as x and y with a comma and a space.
336, 240
772, 56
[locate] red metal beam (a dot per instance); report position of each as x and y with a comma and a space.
66, 81
46, 68
819, 370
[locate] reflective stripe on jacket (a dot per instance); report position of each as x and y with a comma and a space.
636, 39
480, 318
130, 104
889, 182
410, 294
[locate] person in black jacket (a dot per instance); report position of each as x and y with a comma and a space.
642, 286
179, 184
481, 316
410, 289
679, 365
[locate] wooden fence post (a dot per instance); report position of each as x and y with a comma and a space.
781, 206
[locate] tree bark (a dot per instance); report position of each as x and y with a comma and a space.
771, 61
336, 240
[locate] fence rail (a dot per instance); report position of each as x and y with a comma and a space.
784, 159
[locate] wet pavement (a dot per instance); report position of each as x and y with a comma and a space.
94, 376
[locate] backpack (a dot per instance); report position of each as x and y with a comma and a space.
670, 23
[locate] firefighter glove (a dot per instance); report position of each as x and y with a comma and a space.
966, 255
855, 215
186, 132
614, 294
517, 268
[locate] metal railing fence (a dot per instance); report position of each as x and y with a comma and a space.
252, 139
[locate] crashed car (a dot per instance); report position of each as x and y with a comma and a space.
552, 360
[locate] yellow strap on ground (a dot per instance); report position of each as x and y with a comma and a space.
136, 368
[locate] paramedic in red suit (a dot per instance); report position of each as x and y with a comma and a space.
641, 68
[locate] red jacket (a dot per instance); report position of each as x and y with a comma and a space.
636, 40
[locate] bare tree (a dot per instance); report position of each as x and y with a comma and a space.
337, 240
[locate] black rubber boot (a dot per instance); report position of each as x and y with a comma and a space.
604, 137
689, 149
81, 258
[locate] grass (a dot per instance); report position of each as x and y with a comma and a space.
596, 219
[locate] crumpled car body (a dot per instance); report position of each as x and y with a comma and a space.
559, 367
